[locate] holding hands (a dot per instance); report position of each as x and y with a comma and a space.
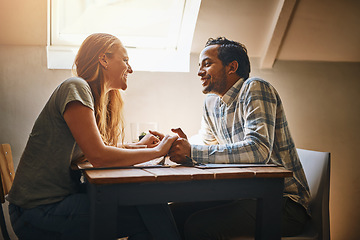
180, 147
150, 140
157, 140
165, 144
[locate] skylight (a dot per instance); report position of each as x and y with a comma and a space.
157, 33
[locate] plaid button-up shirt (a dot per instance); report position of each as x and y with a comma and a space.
248, 125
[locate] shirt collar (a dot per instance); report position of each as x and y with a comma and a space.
233, 92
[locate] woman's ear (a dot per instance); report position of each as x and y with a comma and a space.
233, 66
103, 61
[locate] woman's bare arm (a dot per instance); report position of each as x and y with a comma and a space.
82, 124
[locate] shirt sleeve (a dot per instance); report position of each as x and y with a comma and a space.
75, 89
253, 137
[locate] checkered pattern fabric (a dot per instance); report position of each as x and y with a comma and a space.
248, 125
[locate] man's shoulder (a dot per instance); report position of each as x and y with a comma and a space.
256, 80
257, 84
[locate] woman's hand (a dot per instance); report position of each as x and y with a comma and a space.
149, 140
165, 144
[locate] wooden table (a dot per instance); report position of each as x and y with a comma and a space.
112, 187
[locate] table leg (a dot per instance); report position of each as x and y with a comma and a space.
103, 206
269, 209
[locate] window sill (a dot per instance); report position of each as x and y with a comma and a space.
140, 59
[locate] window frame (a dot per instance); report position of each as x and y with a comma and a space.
61, 55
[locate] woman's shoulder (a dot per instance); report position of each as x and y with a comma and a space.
74, 81
72, 84
73, 89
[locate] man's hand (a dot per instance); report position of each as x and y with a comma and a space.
179, 132
180, 148
157, 134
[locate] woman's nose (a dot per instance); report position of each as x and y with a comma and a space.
129, 69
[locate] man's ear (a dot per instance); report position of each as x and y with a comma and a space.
233, 66
103, 60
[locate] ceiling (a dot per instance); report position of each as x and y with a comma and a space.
305, 30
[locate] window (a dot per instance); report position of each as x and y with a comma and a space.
157, 33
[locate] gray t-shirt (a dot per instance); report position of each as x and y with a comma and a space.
43, 175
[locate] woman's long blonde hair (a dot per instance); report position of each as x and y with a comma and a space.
108, 105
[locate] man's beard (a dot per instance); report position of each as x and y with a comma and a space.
216, 85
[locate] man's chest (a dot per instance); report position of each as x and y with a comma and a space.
228, 124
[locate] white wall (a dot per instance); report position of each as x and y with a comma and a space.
321, 100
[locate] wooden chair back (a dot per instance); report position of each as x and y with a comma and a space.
7, 175
6, 169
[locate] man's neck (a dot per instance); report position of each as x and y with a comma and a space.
230, 81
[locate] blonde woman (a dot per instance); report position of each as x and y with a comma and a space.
83, 117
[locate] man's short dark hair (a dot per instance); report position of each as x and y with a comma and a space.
229, 51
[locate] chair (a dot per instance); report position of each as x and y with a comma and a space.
317, 170
316, 166
6, 179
